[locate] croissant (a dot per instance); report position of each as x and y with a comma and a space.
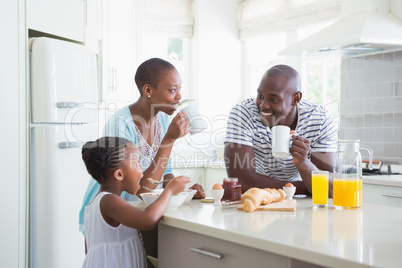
254, 197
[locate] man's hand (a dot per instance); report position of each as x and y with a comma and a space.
300, 150
200, 191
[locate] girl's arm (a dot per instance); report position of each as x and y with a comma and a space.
116, 210
167, 177
200, 190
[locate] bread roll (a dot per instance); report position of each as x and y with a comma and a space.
254, 197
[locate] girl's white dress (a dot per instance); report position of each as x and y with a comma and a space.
108, 246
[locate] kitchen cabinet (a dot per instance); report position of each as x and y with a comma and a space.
205, 173
382, 195
204, 251
304, 238
93, 24
214, 175
63, 18
206, 176
15, 121
118, 33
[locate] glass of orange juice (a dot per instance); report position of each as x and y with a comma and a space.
319, 180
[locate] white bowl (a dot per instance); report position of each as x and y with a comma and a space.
189, 193
175, 200
290, 191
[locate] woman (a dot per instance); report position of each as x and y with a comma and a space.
146, 124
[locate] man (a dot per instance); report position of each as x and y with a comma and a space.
248, 150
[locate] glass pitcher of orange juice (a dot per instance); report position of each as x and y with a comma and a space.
347, 182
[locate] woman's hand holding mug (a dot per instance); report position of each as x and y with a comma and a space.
179, 127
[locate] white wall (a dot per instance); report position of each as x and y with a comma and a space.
13, 121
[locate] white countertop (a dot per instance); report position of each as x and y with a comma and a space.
387, 180
369, 236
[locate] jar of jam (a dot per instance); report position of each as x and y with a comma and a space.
232, 189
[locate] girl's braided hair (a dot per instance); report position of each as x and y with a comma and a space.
103, 156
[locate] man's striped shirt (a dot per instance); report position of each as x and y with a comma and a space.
245, 127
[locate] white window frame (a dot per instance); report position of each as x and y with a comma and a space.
294, 61
140, 33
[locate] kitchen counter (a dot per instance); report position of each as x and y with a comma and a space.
370, 236
387, 180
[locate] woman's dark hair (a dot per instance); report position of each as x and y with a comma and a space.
103, 156
151, 72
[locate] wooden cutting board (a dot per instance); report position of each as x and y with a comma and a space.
285, 205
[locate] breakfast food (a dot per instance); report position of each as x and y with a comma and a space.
232, 189
151, 194
289, 185
217, 186
207, 200
254, 197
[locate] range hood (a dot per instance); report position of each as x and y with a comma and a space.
365, 26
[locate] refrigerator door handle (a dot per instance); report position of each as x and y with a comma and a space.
68, 145
68, 104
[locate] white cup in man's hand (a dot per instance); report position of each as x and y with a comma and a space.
197, 123
281, 138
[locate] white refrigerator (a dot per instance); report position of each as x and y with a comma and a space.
64, 115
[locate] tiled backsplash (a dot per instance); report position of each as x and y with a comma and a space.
371, 103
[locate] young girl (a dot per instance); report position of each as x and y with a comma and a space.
111, 223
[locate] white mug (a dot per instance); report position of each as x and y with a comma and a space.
281, 141
197, 123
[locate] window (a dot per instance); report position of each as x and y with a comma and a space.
321, 82
261, 54
320, 76
163, 29
268, 26
170, 49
